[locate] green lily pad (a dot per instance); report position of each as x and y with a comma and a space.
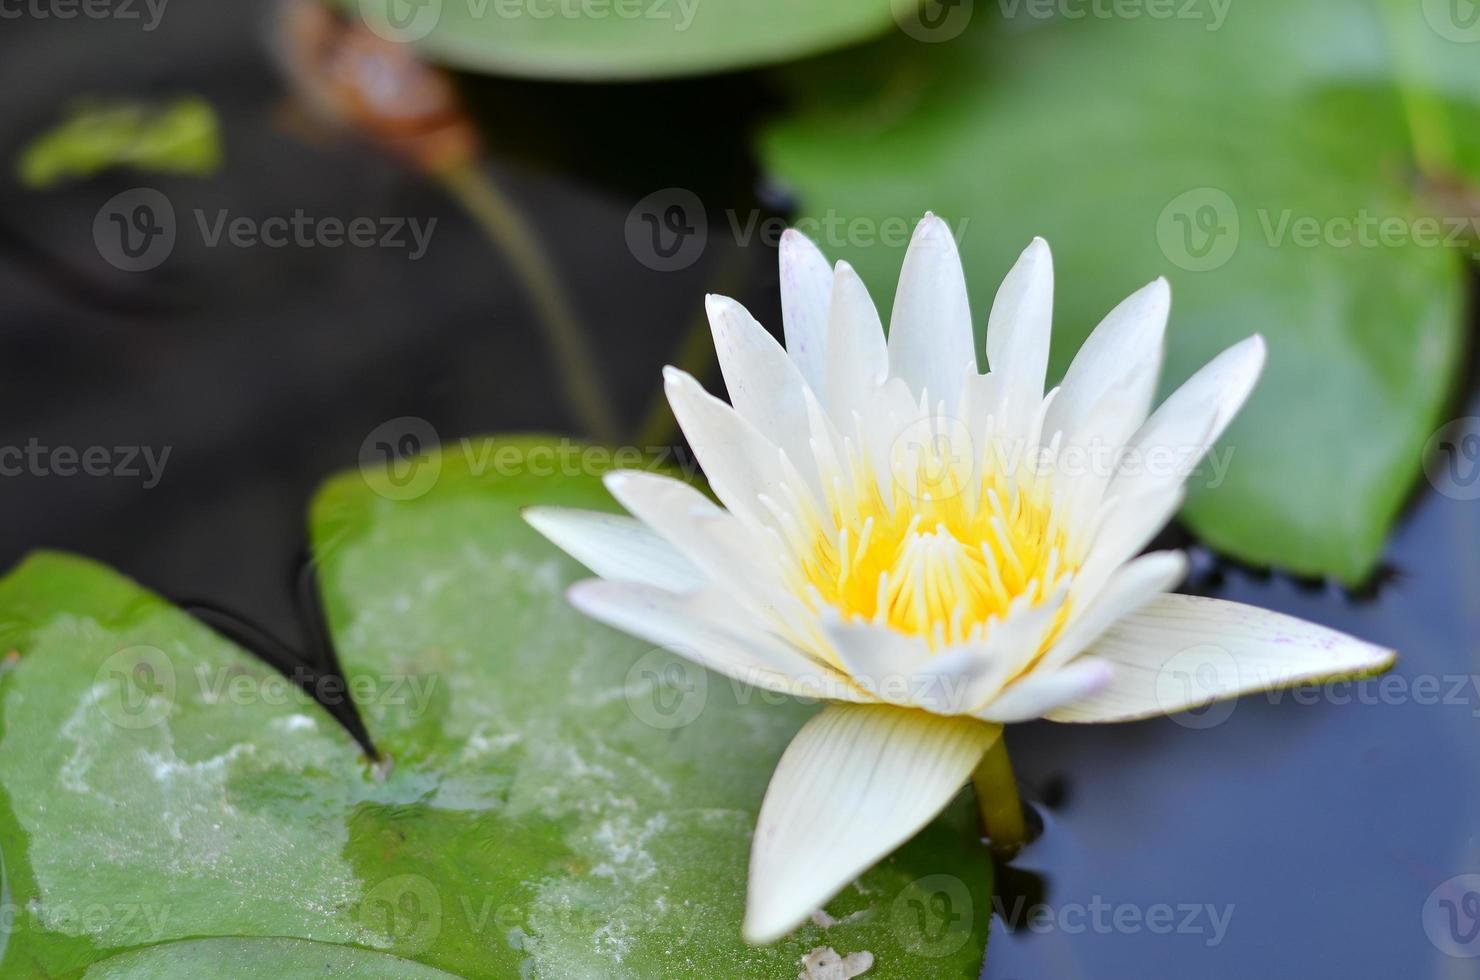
555, 800
1206, 150
228, 959
621, 39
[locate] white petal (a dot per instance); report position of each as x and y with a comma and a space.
616, 547
1018, 332
741, 464
1129, 588
857, 354
1107, 390
1043, 690
1126, 526
806, 285
712, 540
855, 783
1184, 428
765, 387
930, 342
902, 669
963, 679
1181, 652
876, 658
695, 626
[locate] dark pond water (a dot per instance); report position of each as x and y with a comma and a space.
1284, 837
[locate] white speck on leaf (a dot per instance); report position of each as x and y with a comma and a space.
824, 963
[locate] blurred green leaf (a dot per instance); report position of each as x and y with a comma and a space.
557, 800
181, 138
622, 39
1235, 149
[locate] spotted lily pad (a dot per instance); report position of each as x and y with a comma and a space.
554, 800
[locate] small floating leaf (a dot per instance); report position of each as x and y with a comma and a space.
180, 138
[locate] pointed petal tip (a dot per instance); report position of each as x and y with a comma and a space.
930, 226
719, 301
794, 246
580, 594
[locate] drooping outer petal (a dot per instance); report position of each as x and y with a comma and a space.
616, 547
1179, 652
693, 626
855, 783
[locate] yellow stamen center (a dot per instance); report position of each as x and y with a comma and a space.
942, 556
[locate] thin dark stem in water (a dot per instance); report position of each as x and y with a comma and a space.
506, 227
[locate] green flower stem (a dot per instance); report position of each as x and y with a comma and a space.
511, 234
997, 799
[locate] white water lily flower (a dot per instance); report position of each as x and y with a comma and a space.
936, 550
